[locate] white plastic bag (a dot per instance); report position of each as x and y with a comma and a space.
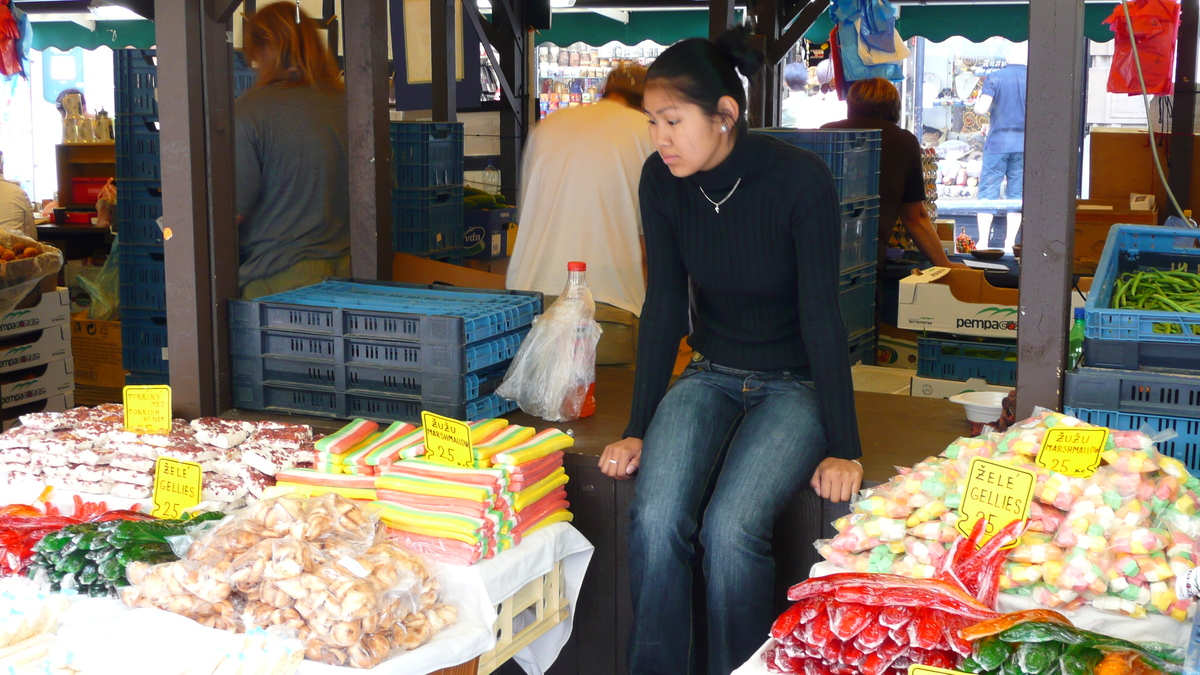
553, 371
19, 276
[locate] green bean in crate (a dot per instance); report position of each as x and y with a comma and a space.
1167, 291
91, 557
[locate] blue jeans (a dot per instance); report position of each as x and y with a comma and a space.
751, 439
997, 166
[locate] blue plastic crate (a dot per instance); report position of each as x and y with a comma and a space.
1139, 392
138, 156
143, 278
1185, 447
139, 206
851, 154
144, 341
1135, 355
244, 76
1131, 248
961, 360
860, 232
433, 315
343, 405
135, 378
135, 77
425, 221
862, 349
427, 154
407, 359
856, 296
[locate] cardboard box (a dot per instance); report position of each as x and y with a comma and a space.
12, 416
962, 302
52, 310
94, 396
1093, 219
35, 384
34, 348
485, 233
97, 351
414, 270
928, 387
512, 238
896, 348
1121, 163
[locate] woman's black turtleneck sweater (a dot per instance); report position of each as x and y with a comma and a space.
763, 272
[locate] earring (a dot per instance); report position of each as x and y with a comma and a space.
724, 128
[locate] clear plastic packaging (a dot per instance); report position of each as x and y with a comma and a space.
553, 375
319, 566
19, 276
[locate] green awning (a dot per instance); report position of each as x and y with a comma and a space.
65, 35
974, 22
663, 27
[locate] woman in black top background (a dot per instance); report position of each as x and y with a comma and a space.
751, 225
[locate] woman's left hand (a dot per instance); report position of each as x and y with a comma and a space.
837, 479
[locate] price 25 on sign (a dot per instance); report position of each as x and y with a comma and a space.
997, 493
447, 441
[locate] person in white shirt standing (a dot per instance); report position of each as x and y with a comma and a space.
580, 202
16, 213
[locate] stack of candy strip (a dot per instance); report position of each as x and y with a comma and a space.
1115, 540
463, 515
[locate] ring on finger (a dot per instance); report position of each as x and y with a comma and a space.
612, 461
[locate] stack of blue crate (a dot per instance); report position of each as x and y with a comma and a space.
378, 350
1141, 368
139, 207
853, 157
427, 194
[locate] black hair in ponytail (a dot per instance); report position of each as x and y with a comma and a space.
702, 71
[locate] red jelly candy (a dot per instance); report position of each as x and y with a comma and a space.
925, 631
895, 616
787, 622
848, 620
871, 637
952, 636
832, 651
852, 655
817, 631
812, 607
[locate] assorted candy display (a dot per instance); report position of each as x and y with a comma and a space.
88, 450
320, 566
882, 623
92, 557
22, 527
1115, 540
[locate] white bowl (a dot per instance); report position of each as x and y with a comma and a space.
984, 407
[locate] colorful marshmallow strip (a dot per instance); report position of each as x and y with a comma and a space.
346, 438
550, 440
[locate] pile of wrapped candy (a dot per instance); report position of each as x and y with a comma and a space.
320, 566
462, 515
1115, 540
88, 450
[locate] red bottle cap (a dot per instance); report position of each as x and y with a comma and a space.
576, 267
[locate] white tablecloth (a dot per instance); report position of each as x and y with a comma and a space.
1153, 628
106, 632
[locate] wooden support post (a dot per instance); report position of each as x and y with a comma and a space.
442, 43
1183, 115
366, 39
720, 17
1051, 177
763, 101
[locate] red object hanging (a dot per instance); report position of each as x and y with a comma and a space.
1156, 28
10, 42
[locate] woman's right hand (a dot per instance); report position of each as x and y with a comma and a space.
621, 459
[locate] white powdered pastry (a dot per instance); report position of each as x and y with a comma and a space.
47, 421
218, 488
54, 472
96, 432
130, 462
24, 470
102, 488
119, 475
191, 453
47, 460
90, 455
20, 437
221, 433
60, 443
129, 491
136, 449
14, 456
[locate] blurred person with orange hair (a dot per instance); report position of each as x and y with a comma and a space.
875, 104
579, 201
293, 198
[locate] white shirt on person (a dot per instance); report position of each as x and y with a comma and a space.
16, 213
579, 201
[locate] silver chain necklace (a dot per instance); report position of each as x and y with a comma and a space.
717, 205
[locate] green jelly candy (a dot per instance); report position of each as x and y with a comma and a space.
89, 574
1036, 658
991, 652
970, 665
1033, 631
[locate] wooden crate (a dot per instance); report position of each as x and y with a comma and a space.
546, 596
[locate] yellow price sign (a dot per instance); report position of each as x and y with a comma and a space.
914, 669
997, 493
447, 441
1073, 451
148, 408
178, 486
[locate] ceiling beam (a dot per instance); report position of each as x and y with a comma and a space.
804, 20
